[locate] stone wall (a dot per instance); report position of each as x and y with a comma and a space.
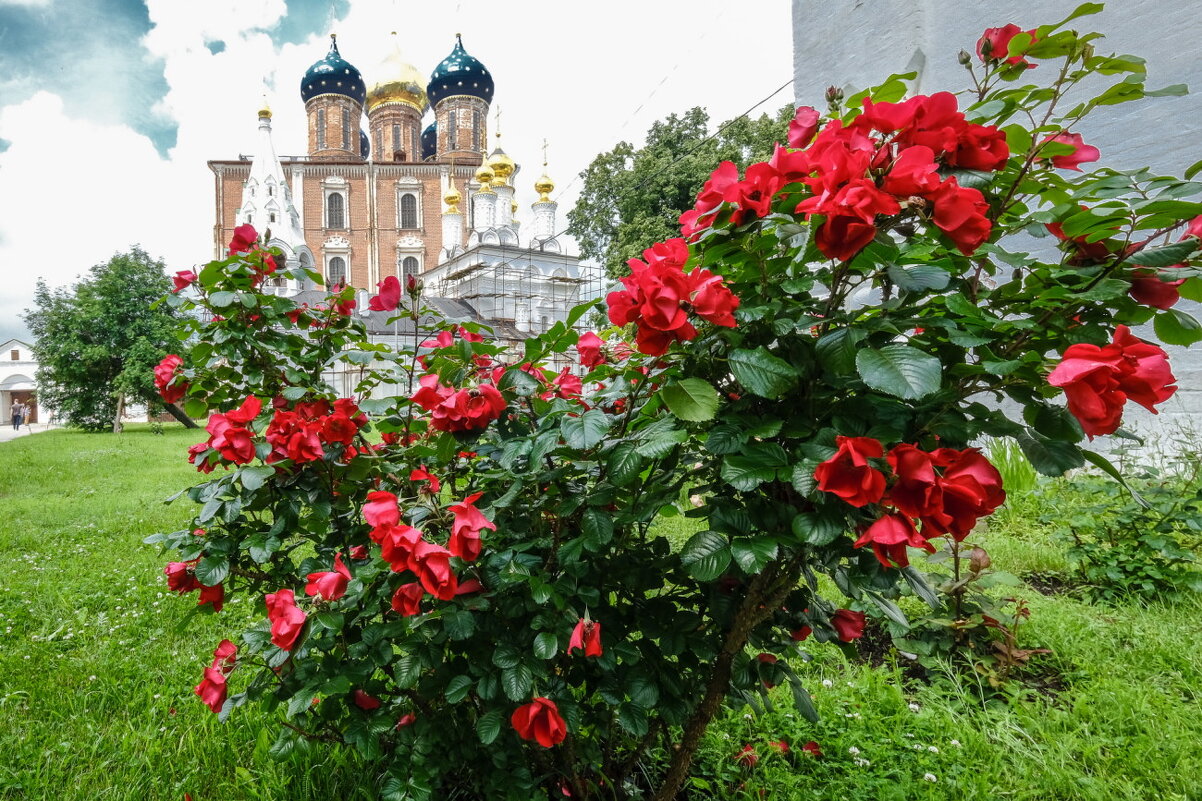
856, 43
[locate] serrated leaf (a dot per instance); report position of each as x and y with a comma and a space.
837, 350
407, 669
692, 399
1164, 256
253, 477
762, 373
752, 554
219, 300
516, 682
546, 645
917, 277
585, 431
1175, 327
900, 370
723, 440
212, 570
746, 472
705, 556
597, 527
624, 464
643, 692
802, 699
488, 726
521, 382
457, 689
1049, 456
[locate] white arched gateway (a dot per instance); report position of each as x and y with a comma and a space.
18, 370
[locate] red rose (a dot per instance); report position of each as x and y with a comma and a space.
589, 349
244, 239
164, 374
432, 564
422, 474
286, 617
1081, 153
1150, 290
329, 585
812, 748
848, 475
915, 493
971, 488
747, 757
381, 509
1098, 381
803, 126
914, 172
889, 537
841, 238
389, 297
406, 720
801, 634
407, 599
396, 544
214, 596
212, 689
960, 212
180, 576
364, 701
183, 279
466, 528
540, 720
848, 625
994, 45
359, 552
587, 637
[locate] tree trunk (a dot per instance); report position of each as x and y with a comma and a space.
180, 415
120, 413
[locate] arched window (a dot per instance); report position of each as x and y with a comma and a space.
408, 266
452, 121
346, 129
321, 129
335, 211
336, 272
476, 130
408, 211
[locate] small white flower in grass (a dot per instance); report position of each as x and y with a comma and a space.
747, 717
853, 750
862, 763
933, 749
914, 707
91, 678
827, 683
956, 743
907, 734
929, 777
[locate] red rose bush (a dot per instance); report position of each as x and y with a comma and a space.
459, 555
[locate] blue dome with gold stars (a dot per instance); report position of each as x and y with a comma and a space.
333, 75
364, 145
460, 74
430, 141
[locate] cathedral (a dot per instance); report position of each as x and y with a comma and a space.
398, 181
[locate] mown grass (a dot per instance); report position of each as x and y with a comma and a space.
96, 673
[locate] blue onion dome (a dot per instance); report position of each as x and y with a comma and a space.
333, 75
430, 141
460, 74
364, 145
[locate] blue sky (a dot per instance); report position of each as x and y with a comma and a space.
162, 86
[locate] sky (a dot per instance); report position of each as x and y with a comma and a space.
110, 109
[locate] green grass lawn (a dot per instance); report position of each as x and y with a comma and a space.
96, 673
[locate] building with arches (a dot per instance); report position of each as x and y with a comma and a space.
18, 374
398, 181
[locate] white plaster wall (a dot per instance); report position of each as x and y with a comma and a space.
856, 43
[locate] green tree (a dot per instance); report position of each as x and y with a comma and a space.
635, 196
97, 343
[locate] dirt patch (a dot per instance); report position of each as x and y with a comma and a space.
1051, 583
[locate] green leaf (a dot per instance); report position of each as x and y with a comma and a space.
900, 370
1103, 464
1175, 327
643, 692
457, 689
546, 645
212, 570
752, 554
802, 699
459, 624
837, 350
1164, 256
219, 300
407, 668
597, 527
1191, 289
762, 373
921, 588
705, 556
488, 726
917, 277
521, 382
253, 477
1193, 170
745, 472
692, 399
585, 431
1083, 10
724, 439
624, 464
517, 681
1049, 456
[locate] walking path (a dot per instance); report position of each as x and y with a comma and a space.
7, 433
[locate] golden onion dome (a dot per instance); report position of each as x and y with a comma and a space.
502, 166
484, 175
265, 112
452, 198
513, 206
399, 82
544, 186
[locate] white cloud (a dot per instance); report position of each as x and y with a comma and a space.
33, 3
77, 191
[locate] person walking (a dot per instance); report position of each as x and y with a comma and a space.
18, 415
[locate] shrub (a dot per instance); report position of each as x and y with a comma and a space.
478, 600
